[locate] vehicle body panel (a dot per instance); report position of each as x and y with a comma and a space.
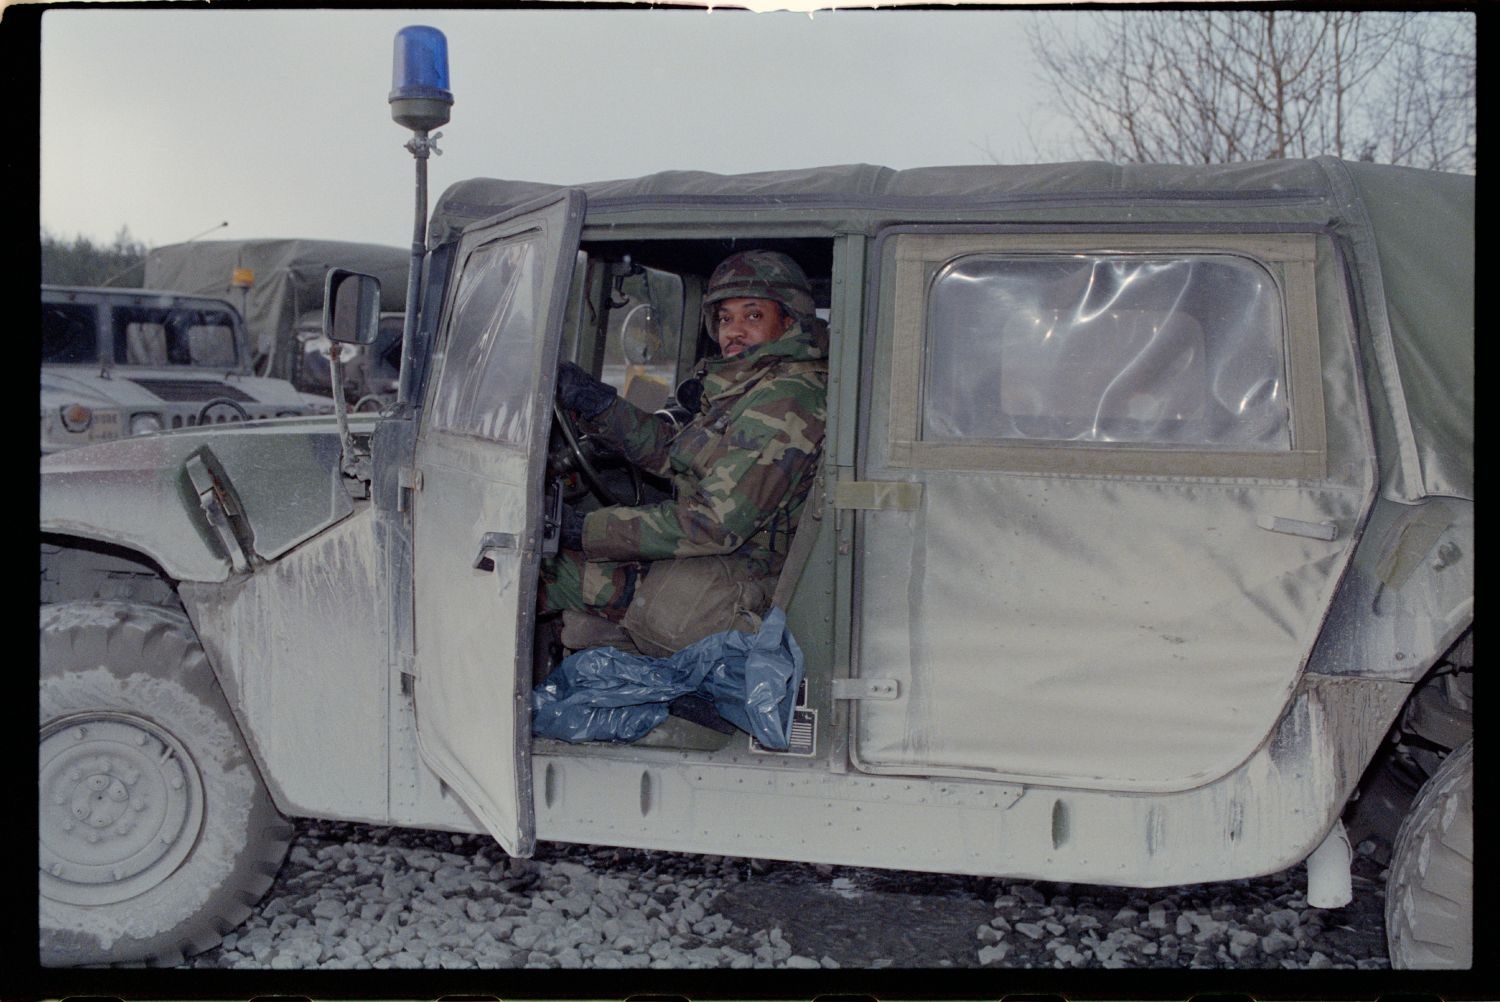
138, 492
1266, 815
300, 651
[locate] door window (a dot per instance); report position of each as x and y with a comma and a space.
487, 374
644, 335
69, 334
1157, 354
1150, 349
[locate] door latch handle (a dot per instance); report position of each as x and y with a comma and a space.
492, 541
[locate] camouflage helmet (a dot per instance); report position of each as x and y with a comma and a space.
760, 274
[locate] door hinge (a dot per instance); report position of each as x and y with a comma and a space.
866, 688
408, 480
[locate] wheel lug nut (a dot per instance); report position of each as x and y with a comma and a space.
137, 804
67, 826
93, 838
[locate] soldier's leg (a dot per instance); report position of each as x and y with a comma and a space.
598, 587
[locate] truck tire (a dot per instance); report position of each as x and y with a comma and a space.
1429, 894
155, 833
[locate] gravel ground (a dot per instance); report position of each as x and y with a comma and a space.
357, 896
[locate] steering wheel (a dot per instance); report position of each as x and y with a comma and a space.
578, 457
243, 415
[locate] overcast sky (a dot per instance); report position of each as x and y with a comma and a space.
170, 121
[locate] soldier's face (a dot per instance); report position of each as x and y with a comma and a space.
745, 323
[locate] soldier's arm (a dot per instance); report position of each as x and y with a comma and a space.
643, 438
762, 460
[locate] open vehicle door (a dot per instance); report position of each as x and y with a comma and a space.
476, 523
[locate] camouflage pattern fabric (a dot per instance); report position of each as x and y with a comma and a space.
741, 469
601, 587
759, 274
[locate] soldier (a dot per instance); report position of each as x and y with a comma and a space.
740, 469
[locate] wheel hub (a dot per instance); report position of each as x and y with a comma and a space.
120, 806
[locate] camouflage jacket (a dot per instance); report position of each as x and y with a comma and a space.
741, 468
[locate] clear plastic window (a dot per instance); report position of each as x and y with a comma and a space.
1132, 348
487, 377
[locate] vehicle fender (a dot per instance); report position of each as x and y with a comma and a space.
200, 503
1408, 594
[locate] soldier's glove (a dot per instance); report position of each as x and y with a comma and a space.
571, 534
581, 393
689, 395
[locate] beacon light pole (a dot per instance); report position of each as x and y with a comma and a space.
420, 99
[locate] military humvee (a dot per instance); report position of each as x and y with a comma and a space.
1144, 555
121, 362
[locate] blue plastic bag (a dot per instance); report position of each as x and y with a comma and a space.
605, 694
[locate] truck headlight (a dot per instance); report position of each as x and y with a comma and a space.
76, 417
145, 424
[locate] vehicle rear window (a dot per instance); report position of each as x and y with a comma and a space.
171, 336
1139, 348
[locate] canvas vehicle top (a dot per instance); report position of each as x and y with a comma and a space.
1146, 520
122, 362
278, 285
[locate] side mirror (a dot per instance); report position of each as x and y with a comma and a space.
351, 307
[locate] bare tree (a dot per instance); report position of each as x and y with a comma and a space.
1219, 86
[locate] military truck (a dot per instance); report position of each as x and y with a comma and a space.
122, 362
278, 284
1144, 554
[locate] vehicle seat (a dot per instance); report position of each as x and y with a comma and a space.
581, 631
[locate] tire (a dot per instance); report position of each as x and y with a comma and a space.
1429, 895
155, 833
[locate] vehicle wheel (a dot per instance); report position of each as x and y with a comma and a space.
1429, 895
155, 833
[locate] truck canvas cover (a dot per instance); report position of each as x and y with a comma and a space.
288, 282
1401, 224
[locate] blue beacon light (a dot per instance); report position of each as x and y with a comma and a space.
419, 96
